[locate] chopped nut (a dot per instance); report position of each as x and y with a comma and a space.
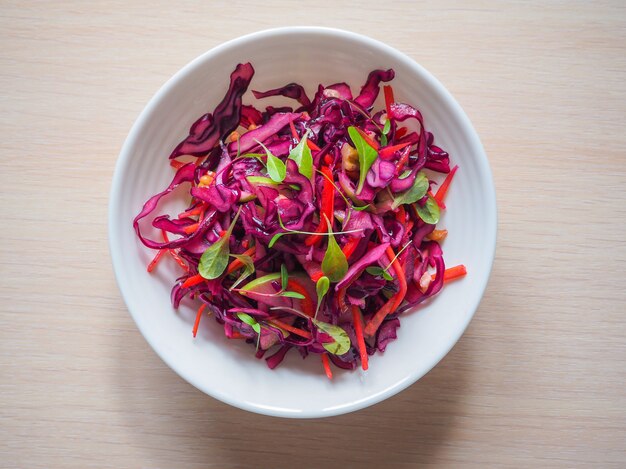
349, 158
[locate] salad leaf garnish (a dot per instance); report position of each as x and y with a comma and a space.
334, 264
292, 294
414, 193
321, 288
367, 155
276, 169
288, 231
378, 271
430, 212
385, 132
301, 154
248, 268
215, 259
341, 342
284, 276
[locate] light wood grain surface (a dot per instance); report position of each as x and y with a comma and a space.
539, 378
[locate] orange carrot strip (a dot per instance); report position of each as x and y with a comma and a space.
368, 139
236, 264
401, 214
192, 281
191, 213
388, 151
326, 364
452, 273
437, 235
317, 275
312, 146
443, 189
293, 130
191, 228
179, 260
287, 327
360, 340
177, 164
237, 335
403, 160
156, 259
198, 316
393, 302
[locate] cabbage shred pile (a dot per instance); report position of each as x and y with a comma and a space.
310, 226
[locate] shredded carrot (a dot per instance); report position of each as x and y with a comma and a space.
443, 189
191, 228
193, 281
360, 340
236, 264
350, 246
341, 299
177, 164
327, 207
179, 260
308, 306
437, 235
156, 259
236, 335
294, 134
372, 143
394, 301
386, 152
191, 213
453, 273
312, 145
403, 160
389, 99
326, 364
287, 327
198, 316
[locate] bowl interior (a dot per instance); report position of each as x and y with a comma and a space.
227, 369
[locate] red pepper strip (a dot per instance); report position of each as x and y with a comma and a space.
401, 214
309, 143
193, 281
443, 189
327, 207
328, 159
389, 99
326, 364
350, 246
403, 160
368, 139
393, 302
341, 299
401, 132
198, 316
308, 306
287, 327
177, 164
386, 152
452, 273
156, 259
360, 340
236, 264
317, 275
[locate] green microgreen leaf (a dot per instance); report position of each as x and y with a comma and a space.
430, 212
341, 342
414, 193
215, 259
385, 132
360, 209
248, 268
301, 154
378, 271
367, 155
334, 264
292, 294
284, 277
321, 288
288, 231
276, 169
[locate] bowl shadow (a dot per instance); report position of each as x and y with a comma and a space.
171, 423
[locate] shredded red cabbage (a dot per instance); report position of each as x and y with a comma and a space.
276, 225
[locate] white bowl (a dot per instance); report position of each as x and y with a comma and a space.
226, 369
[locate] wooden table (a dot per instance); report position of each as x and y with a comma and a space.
539, 378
